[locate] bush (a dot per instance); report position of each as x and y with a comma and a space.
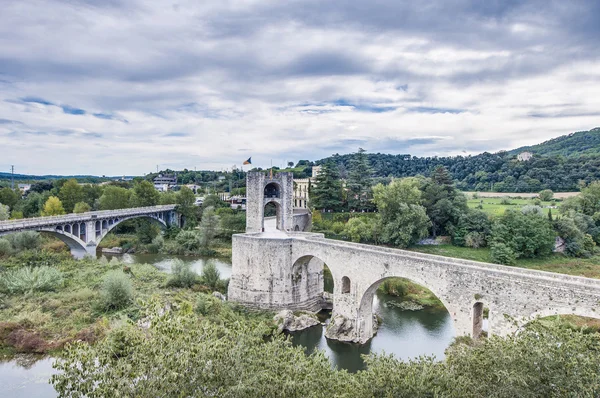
189, 240
505, 201
527, 235
338, 227
182, 275
206, 304
28, 279
546, 195
211, 275
475, 240
117, 290
27, 240
502, 254
5, 248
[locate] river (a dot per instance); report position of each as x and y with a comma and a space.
406, 334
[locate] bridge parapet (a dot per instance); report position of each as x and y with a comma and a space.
82, 232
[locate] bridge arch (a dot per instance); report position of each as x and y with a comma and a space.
365, 308
309, 282
116, 222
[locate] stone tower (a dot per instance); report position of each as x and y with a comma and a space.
261, 189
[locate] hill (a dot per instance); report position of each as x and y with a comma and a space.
562, 165
575, 144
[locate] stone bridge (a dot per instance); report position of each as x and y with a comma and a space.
283, 269
83, 232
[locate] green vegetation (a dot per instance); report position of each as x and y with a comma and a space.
182, 275
217, 351
497, 206
116, 291
561, 165
28, 280
409, 291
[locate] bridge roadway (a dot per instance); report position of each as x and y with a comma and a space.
277, 270
83, 232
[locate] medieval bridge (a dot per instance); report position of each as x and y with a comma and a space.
282, 268
83, 232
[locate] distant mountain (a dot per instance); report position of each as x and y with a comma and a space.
575, 144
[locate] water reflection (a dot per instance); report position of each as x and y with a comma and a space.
406, 334
25, 377
164, 262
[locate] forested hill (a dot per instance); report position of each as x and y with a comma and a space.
575, 144
500, 172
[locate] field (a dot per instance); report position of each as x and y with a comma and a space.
557, 195
497, 206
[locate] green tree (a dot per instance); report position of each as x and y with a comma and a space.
53, 207
115, 198
546, 195
444, 204
359, 182
8, 197
4, 212
326, 193
81, 207
527, 235
469, 223
144, 194
403, 219
208, 227
70, 194
186, 206
91, 195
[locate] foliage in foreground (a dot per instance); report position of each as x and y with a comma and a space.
231, 358
117, 290
30, 279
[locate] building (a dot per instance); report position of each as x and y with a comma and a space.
24, 187
165, 182
301, 188
524, 156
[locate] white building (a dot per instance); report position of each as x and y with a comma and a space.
301, 186
524, 156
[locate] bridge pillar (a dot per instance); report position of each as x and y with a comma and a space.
261, 190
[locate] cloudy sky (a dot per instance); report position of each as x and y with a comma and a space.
119, 86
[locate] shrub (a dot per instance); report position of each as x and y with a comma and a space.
206, 304
533, 209
546, 195
182, 275
211, 275
502, 254
338, 227
505, 201
5, 248
117, 290
189, 240
28, 279
475, 239
27, 240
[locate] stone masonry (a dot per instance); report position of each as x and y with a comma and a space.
283, 269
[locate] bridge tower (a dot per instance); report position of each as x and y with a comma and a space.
262, 189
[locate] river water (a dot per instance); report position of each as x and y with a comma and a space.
406, 334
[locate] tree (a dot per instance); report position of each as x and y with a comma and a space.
81, 207
359, 182
33, 203
70, 194
527, 235
186, 206
444, 203
91, 195
208, 226
53, 207
326, 193
546, 195
144, 194
8, 197
403, 219
4, 212
472, 223
114, 198
290, 164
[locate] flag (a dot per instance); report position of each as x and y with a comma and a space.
249, 161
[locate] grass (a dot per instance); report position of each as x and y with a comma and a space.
588, 267
494, 206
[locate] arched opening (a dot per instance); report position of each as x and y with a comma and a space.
312, 283
68, 228
104, 224
98, 229
272, 216
408, 318
82, 232
272, 191
345, 285
297, 228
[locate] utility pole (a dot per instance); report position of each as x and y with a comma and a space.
12, 177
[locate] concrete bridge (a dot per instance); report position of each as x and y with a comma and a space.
283, 269
83, 232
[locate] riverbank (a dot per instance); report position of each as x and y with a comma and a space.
44, 321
